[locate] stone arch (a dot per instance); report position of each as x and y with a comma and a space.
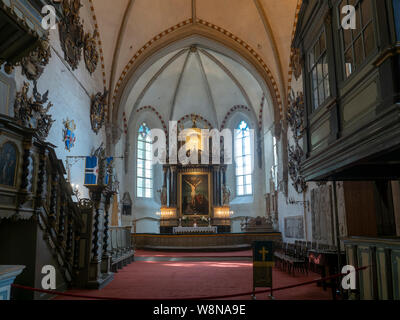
232, 111
182, 33
188, 116
151, 118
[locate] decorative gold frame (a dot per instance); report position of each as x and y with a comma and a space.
210, 195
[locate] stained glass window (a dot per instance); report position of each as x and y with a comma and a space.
144, 167
275, 166
243, 160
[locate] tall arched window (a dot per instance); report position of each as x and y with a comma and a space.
275, 166
243, 160
144, 168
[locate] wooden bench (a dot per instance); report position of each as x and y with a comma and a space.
122, 252
291, 258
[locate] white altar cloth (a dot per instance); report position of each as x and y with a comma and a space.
209, 229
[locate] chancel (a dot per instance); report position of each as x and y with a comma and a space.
168, 139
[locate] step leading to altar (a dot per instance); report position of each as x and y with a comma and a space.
201, 242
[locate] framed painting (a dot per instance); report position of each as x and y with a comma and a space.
8, 164
195, 193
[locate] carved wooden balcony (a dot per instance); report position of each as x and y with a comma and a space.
21, 28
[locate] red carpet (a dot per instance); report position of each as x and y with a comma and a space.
145, 253
166, 280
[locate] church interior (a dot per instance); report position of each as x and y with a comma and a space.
148, 146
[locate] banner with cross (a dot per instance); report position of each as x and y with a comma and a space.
263, 261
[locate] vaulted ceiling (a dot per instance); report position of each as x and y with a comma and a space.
196, 79
129, 28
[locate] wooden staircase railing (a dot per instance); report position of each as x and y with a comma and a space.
58, 216
40, 205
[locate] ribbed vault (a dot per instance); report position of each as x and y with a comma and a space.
195, 79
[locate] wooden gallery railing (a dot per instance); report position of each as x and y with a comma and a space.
57, 214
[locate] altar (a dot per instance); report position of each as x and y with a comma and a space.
194, 230
195, 194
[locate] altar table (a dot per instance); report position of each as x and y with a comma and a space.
209, 229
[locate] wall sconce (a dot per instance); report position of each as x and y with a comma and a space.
223, 212
166, 213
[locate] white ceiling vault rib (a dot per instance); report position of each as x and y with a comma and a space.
117, 48
178, 84
156, 76
193, 94
231, 76
194, 10
207, 83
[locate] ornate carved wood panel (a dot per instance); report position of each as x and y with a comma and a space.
90, 52
294, 165
97, 110
71, 32
31, 113
33, 65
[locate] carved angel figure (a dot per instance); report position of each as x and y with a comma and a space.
30, 112
163, 195
226, 195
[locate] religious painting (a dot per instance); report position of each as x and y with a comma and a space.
195, 193
8, 164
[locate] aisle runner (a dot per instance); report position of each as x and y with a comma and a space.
160, 280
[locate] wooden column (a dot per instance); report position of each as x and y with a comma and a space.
169, 186
69, 241
27, 173
53, 199
98, 279
164, 195
106, 257
174, 188
61, 219
215, 185
224, 175
42, 180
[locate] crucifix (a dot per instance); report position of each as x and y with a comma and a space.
263, 252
